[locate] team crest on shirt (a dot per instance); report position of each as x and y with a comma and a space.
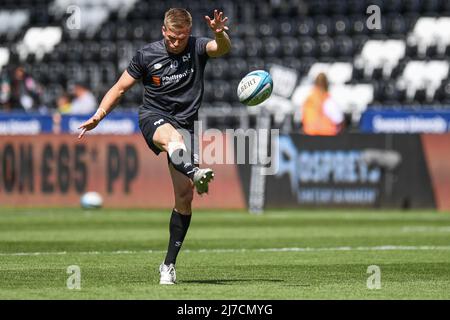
157, 66
156, 80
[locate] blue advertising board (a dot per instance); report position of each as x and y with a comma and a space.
116, 123
405, 121
120, 123
25, 124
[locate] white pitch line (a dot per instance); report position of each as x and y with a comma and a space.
425, 229
305, 249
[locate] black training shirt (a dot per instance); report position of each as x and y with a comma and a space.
173, 83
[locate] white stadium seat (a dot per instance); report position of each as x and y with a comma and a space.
4, 57
430, 31
284, 80
423, 33
380, 54
443, 34
12, 21
423, 75
39, 41
338, 72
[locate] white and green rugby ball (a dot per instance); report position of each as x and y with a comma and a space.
255, 88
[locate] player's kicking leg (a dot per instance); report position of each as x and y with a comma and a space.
179, 223
170, 140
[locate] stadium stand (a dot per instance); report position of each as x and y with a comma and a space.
366, 68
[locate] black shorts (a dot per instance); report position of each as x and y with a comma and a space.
150, 123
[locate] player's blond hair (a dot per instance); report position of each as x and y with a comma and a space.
177, 18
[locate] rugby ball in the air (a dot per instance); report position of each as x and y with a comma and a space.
255, 87
91, 200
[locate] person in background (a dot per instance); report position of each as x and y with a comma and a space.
63, 104
20, 91
321, 115
5, 91
84, 101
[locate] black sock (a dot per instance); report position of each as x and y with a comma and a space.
180, 159
179, 224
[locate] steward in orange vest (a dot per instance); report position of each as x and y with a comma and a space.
321, 116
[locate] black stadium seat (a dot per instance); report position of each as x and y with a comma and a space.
290, 46
340, 25
237, 67
254, 47
305, 27
322, 26
344, 46
272, 47
308, 47
325, 47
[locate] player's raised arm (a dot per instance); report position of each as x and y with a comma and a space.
108, 103
221, 43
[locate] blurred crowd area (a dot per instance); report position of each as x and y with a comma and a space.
63, 55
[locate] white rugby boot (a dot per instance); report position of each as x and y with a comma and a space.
201, 179
168, 274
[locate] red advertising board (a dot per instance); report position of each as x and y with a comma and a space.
437, 153
55, 170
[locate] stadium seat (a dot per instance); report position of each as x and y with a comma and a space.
322, 26
442, 34
268, 29
344, 47
325, 46
356, 7
217, 69
423, 34
443, 93
255, 63
396, 25
254, 47
380, 54
318, 7
39, 41
237, 68
422, 75
412, 78
4, 57
288, 28
284, 80
300, 94
271, 46
358, 24
308, 47
292, 63
340, 25
305, 27
222, 91
12, 21
237, 48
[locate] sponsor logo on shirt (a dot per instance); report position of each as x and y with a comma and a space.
177, 77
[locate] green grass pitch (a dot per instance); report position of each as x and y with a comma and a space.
296, 254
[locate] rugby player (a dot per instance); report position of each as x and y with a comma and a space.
171, 71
